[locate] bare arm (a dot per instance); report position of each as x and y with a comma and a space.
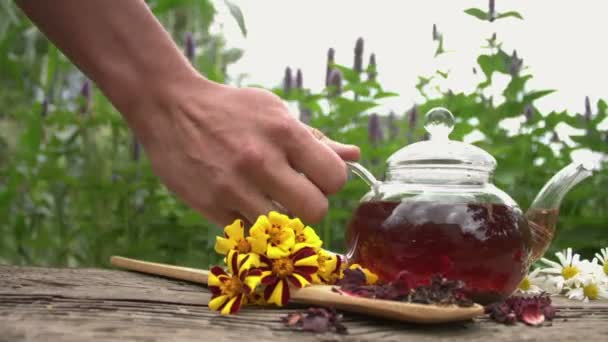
225, 151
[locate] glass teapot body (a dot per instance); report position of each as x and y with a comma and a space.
439, 216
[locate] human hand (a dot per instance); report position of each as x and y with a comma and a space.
238, 153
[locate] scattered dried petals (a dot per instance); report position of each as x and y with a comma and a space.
530, 310
318, 320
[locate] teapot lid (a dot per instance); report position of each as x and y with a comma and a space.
439, 151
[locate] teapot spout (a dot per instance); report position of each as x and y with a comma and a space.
542, 214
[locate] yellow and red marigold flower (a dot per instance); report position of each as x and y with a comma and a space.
271, 236
230, 289
330, 266
370, 277
304, 235
233, 239
296, 269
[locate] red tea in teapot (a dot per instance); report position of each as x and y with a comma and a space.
484, 245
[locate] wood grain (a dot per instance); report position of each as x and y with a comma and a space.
62, 304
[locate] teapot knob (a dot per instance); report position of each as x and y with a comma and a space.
439, 123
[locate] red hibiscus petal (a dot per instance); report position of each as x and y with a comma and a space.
532, 315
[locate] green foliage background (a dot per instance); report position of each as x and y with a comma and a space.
74, 188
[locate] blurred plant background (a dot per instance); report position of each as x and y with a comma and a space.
75, 186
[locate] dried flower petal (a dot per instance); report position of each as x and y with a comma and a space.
531, 314
317, 320
530, 310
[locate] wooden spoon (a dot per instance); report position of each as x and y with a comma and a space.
322, 295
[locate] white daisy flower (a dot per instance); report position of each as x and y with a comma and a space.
592, 287
569, 271
603, 259
533, 283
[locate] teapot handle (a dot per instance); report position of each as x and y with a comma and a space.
364, 174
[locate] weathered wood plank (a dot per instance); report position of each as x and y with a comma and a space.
40, 304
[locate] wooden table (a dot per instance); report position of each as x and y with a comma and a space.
50, 304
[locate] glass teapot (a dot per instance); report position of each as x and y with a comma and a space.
438, 213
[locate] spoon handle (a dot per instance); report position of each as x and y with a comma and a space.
175, 272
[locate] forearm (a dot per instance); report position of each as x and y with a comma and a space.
118, 44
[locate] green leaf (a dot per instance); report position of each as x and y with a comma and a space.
237, 14
513, 14
348, 74
347, 106
443, 74
498, 62
385, 94
477, 13
528, 98
440, 50
516, 86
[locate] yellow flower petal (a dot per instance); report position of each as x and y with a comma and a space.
370, 277
278, 219
235, 231
260, 227
258, 244
276, 252
296, 225
252, 281
277, 294
308, 261
288, 239
212, 280
228, 306
217, 302
223, 245
312, 238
